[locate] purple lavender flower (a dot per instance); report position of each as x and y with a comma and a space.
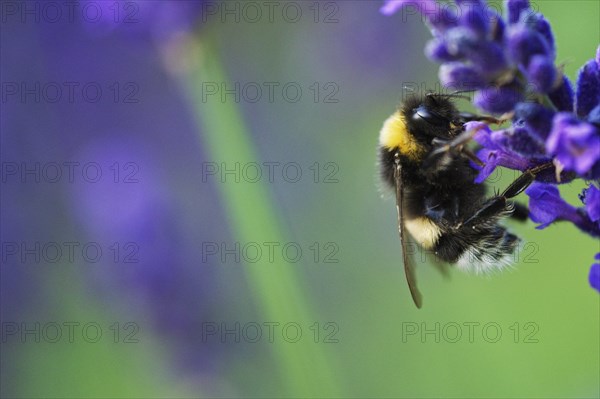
498, 100
591, 199
534, 117
541, 73
562, 96
588, 88
514, 148
574, 143
453, 74
514, 9
525, 43
546, 206
594, 276
510, 64
493, 154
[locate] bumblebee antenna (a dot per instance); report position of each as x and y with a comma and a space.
454, 94
462, 91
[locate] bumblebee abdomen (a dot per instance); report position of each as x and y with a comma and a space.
483, 250
424, 231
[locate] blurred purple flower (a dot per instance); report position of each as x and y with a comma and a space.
159, 20
438, 17
391, 6
131, 212
157, 272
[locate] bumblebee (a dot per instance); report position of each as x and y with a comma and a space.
424, 159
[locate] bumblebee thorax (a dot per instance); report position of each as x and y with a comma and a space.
395, 135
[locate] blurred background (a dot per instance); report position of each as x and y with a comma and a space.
190, 208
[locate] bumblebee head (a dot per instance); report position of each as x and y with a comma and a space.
431, 116
419, 120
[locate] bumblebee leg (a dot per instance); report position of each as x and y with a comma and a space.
500, 204
456, 144
469, 117
458, 141
454, 147
520, 213
471, 156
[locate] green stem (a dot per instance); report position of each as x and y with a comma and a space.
250, 208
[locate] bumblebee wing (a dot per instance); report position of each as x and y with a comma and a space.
409, 269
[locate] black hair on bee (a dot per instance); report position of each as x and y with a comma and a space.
424, 160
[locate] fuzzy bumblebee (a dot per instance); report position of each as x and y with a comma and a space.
423, 158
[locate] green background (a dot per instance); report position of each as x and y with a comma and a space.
364, 294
